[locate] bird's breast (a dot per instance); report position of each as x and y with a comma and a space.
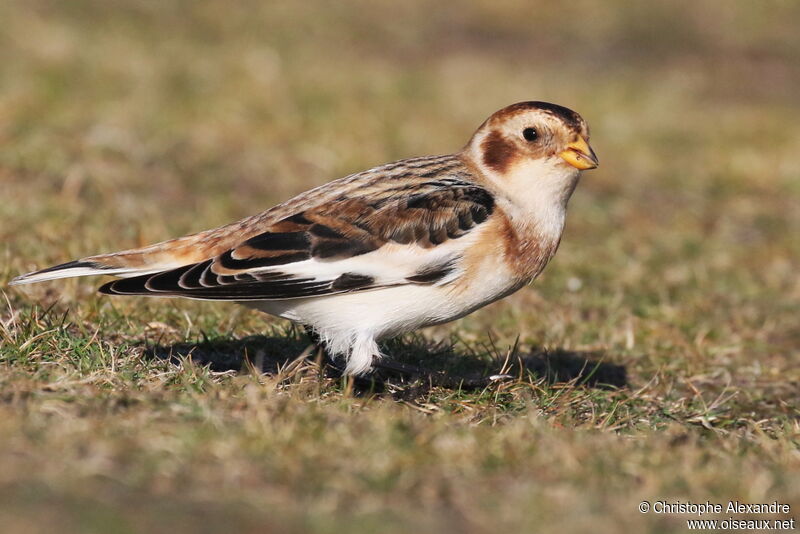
507, 256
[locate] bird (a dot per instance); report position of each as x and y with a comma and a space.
382, 252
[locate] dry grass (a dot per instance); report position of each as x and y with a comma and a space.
127, 122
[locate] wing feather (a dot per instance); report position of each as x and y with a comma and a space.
318, 251
401, 223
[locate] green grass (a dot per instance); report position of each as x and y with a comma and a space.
127, 122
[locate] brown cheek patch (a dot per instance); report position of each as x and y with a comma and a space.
498, 153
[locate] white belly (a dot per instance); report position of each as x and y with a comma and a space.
391, 311
350, 323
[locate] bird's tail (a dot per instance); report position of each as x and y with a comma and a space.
93, 265
162, 256
135, 262
75, 268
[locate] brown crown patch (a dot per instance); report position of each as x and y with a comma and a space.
571, 119
498, 152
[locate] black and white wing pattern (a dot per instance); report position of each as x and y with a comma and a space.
410, 232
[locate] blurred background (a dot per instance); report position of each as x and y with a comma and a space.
126, 122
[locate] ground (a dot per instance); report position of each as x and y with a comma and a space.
656, 358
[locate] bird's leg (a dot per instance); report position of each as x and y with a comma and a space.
330, 362
389, 368
338, 370
328, 359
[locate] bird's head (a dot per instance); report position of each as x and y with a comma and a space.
534, 145
533, 130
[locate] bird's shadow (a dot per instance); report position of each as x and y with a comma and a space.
273, 354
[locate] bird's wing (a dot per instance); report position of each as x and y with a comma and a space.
384, 236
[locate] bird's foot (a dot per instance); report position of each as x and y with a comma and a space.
386, 372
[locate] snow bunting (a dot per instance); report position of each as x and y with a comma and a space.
408, 244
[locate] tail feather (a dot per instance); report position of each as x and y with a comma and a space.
147, 260
77, 268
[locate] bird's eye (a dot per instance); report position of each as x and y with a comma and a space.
530, 134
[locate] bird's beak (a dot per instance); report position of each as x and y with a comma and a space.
580, 155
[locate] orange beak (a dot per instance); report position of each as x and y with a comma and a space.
580, 155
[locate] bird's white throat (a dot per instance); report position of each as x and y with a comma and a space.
536, 192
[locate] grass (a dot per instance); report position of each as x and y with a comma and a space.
127, 122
